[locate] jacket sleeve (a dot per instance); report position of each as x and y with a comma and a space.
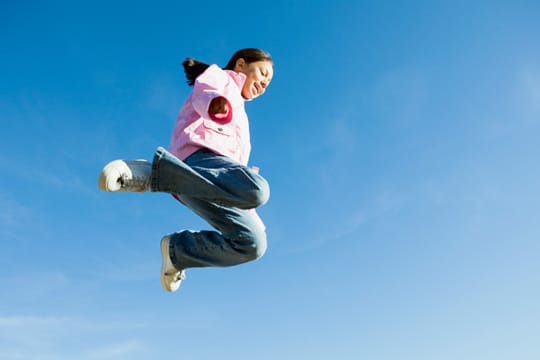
208, 86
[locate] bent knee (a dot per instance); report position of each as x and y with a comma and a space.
261, 194
254, 247
260, 248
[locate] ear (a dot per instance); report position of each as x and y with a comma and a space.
240, 64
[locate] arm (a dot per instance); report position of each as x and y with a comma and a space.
208, 99
220, 110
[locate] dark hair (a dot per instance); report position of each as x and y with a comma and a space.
193, 68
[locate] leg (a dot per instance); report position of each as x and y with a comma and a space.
220, 191
240, 238
215, 187
206, 175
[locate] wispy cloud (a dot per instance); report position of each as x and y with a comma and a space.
347, 153
62, 143
58, 174
62, 337
349, 222
24, 287
163, 97
12, 213
121, 350
528, 90
398, 96
22, 337
14, 216
49, 337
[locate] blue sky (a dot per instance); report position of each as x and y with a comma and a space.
400, 140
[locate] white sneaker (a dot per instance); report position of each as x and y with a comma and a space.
171, 277
126, 175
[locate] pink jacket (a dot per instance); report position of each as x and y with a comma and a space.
195, 128
227, 135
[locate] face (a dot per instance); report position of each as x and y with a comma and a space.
258, 77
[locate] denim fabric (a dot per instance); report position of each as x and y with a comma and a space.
221, 191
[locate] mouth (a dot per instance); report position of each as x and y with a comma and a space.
257, 89
252, 91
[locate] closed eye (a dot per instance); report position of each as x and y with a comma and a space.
265, 73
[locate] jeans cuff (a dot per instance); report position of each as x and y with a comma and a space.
172, 255
154, 183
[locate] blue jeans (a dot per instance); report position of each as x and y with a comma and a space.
221, 191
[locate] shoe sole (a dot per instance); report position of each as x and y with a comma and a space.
165, 265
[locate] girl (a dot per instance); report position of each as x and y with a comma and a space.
206, 169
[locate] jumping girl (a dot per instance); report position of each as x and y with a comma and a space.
205, 167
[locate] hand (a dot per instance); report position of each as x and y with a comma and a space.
218, 106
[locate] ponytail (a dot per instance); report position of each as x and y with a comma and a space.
193, 68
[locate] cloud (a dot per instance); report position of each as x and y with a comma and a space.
162, 97
12, 213
51, 337
125, 349
49, 284
88, 337
348, 222
354, 141
341, 137
398, 96
14, 216
528, 90
50, 144
26, 336
141, 270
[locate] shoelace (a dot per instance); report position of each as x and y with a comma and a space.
179, 275
136, 182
